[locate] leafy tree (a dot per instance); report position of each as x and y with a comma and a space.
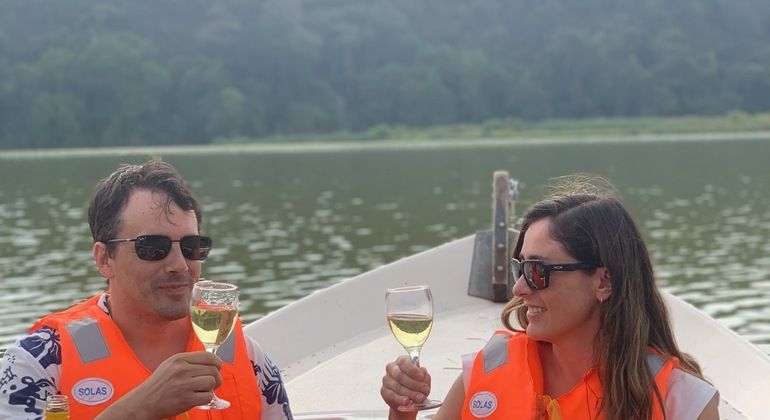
130, 72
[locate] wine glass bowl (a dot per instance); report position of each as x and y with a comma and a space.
409, 312
213, 310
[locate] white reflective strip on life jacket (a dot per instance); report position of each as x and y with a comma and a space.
88, 339
655, 362
495, 353
226, 351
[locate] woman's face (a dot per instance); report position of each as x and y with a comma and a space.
568, 309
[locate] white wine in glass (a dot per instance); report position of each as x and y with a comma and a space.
213, 310
410, 318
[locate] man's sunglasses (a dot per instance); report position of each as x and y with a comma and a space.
157, 247
536, 273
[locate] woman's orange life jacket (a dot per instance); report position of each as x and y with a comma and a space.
506, 383
98, 366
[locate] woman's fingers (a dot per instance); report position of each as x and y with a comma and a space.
412, 376
404, 382
401, 391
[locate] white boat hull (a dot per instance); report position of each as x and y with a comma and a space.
333, 345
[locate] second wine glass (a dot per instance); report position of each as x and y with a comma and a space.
213, 309
410, 317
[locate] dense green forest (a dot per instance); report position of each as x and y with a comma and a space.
81, 73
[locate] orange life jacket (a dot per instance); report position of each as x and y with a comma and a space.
98, 366
506, 383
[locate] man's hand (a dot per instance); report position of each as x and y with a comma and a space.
181, 382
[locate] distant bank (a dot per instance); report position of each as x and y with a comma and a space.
578, 128
732, 126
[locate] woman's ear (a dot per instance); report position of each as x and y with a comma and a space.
102, 259
604, 291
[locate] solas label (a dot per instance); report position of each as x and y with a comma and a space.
92, 391
483, 404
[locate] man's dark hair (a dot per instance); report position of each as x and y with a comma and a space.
112, 193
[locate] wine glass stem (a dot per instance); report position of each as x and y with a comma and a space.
415, 355
214, 398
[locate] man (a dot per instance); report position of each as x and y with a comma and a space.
130, 353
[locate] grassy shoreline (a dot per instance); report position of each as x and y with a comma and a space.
734, 125
734, 121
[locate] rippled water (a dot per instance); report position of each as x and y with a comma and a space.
287, 221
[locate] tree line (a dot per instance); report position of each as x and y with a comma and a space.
86, 73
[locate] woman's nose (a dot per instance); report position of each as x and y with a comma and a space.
520, 287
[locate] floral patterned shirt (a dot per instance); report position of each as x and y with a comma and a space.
30, 371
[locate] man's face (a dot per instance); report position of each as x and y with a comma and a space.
154, 289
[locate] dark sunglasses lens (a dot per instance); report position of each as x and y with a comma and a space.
152, 247
535, 273
515, 269
195, 247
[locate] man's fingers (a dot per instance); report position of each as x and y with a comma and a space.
207, 372
201, 358
217, 379
203, 383
202, 397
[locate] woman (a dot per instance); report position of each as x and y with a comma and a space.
596, 340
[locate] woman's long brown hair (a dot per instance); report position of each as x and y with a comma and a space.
596, 228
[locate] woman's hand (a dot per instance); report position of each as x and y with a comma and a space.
404, 382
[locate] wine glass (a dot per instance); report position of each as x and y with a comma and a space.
213, 309
410, 317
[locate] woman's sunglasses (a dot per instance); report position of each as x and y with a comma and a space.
157, 247
536, 273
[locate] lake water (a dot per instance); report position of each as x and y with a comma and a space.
288, 220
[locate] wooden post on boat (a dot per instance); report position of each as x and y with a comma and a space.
490, 276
